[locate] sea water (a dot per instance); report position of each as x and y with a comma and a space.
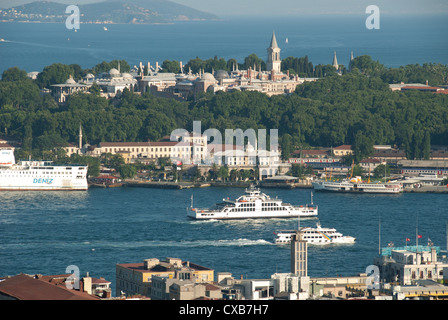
401, 40
46, 232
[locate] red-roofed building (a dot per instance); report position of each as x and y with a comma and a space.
25, 287
422, 88
342, 150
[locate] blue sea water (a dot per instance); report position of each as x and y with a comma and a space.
400, 40
45, 232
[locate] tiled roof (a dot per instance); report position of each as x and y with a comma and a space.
24, 287
343, 147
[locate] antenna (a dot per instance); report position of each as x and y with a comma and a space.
446, 231
379, 235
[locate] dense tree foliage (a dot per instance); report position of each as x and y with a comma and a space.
356, 108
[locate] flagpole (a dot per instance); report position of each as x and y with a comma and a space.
379, 236
416, 235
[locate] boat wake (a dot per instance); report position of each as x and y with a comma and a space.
183, 243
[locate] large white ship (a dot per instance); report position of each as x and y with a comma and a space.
358, 186
39, 175
253, 204
316, 236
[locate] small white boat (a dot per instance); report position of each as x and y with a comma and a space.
318, 236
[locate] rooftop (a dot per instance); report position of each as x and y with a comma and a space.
25, 287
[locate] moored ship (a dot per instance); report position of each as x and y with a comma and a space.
39, 175
316, 235
253, 204
356, 185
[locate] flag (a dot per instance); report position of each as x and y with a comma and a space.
419, 236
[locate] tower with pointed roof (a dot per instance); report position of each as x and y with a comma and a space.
274, 62
335, 62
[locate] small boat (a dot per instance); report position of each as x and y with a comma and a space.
317, 236
104, 28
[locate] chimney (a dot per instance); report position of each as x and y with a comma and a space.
87, 282
426, 82
149, 263
433, 255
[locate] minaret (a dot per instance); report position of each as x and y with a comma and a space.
274, 61
335, 62
351, 61
80, 138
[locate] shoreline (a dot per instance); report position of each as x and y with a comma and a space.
189, 185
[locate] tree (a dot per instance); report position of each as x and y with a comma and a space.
223, 172
252, 61
297, 170
172, 66
381, 171
127, 171
367, 66
54, 74
287, 146
14, 74
362, 147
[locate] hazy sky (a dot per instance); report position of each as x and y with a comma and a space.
292, 7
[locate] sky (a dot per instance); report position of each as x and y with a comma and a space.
291, 7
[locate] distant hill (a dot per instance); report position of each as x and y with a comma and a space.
109, 11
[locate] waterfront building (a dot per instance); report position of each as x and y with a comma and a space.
342, 150
53, 287
408, 264
369, 164
136, 278
417, 167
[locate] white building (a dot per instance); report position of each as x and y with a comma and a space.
411, 263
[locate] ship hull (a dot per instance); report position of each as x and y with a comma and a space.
357, 188
209, 215
32, 176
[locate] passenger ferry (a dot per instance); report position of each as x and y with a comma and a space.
358, 186
253, 204
39, 175
316, 235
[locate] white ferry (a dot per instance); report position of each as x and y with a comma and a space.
316, 236
253, 204
356, 185
39, 175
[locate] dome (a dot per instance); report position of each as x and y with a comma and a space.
208, 77
127, 75
114, 72
70, 81
221, 74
